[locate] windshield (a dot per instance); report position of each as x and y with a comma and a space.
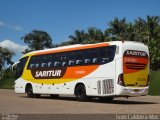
20, 67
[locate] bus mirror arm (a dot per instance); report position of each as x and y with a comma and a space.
14, 66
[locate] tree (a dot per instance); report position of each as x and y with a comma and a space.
5, 57
153, 27
153, 30
148, 32
117, 29
37, 40
154, 51
148, 29
130, 32
141, 30
78, 37
94, 35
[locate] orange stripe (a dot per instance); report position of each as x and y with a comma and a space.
74, 48
79, 71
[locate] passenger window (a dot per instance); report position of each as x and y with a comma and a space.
50, 64
87, 57
34, 62
71, 61
75, 58
78, 62
94, 56
87, 61
60, 60
49, 60
64, 59
106, 54
64, 64
56, 60
43, 65
91, 56
57, 64
79, 58
37, 65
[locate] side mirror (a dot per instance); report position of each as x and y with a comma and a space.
14, 66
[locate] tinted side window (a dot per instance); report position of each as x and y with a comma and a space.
91, 56
106, 54
74, 58
71, 59
20, 66
34, 62
57, 60
45, 61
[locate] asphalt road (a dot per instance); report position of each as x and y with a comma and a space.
11, 103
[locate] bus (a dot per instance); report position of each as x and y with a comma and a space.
103, 70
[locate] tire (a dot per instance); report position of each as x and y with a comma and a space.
29, 91
80, 93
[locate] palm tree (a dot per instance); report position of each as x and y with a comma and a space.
130, 32
148, 32
153, 27
117, 29
147, 29
78, 37
94, 35
141, 30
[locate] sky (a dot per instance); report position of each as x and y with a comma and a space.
60, 18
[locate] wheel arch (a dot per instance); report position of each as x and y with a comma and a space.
27, 85
80, 83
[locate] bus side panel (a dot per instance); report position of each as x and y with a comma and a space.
102, 81
65, 88
20, 85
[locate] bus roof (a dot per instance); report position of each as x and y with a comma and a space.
74, 47
66, 48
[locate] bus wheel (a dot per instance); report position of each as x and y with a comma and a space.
80, 93
29, 91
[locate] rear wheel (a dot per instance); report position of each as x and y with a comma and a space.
80, 93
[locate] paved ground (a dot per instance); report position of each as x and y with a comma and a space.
11, 103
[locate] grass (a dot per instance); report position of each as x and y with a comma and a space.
154, 83
8, 83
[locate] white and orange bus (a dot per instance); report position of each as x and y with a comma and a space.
104, 70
